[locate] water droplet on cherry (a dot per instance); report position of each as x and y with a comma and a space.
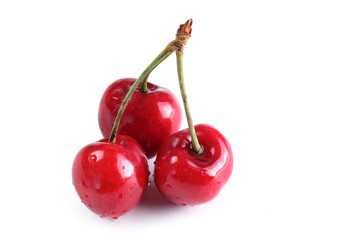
168, 185
121, 196
83, 184
204, 172
92, 158
183, 204
86, 196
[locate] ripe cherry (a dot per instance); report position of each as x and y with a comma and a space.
150, 116
189, 178
111, 178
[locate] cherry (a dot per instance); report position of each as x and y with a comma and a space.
111, 178
150, 116
192, 165
189, 178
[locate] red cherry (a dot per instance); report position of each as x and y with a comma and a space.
111, 178
187, 178
149, 117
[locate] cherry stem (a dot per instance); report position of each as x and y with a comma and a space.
182, 35
178, 44
144, 75
162, 56
196, 147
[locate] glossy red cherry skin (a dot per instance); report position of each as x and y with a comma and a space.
111, 178
149, 117
186, 178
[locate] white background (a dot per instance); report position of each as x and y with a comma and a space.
280, 79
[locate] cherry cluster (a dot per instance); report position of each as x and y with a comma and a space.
139, 121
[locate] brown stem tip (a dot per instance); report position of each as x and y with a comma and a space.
185, 29
182, 36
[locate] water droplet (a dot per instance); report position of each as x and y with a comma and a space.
83, 184
89, 206
204, 172
131, 188
183, 204
123, 211
115, 219
102, 216
121, 196
168, 185
218, 182
86, 196
173, 159
123, 167
173, 172
92, 158
149, 183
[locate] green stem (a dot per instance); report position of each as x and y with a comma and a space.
164, 54
195, 143
182, 35
144, 75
